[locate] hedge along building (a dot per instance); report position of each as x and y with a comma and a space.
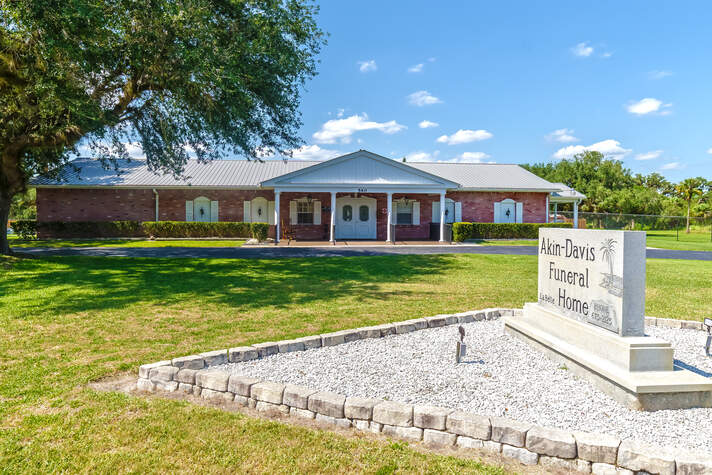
354, 196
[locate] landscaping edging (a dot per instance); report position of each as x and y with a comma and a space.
435, 426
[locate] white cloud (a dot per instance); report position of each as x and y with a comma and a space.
610, 148
422, 156
709, 150
659, 74
423, 98
470, 157
340, 112
465, 136
367, 66
562, 135
653, 154
672, 166
314, 152
606, 55
466, 157
418, 68
426, 124
343, 129
648, 105
582, 50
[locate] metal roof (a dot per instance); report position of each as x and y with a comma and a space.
566, 194
488, 176
134, 173
249, 174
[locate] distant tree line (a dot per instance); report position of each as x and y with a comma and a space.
611, 188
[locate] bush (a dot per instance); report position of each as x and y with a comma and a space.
25, 228
159, 229
259, 231
89, 229
462, 231
182, 229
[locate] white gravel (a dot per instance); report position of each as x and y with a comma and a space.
500, 376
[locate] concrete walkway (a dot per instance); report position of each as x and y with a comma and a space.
275, 252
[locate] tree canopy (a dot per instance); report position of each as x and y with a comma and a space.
207, 77
611, 188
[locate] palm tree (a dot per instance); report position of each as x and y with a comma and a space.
609, 249
687, 190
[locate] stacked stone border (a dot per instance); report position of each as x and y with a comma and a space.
434, 426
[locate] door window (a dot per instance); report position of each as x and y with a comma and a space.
363, 213
347, 213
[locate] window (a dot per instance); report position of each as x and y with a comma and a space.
305, 212
404, 212
347, 213
363, 213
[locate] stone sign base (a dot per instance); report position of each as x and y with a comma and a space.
636, 371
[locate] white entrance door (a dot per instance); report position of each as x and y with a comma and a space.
507, 212
355, 218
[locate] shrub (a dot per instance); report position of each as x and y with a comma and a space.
25, 228
462, 231
181, 229
90, 229
259, 231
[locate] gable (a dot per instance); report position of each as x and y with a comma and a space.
360, 168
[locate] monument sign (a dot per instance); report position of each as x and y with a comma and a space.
596, 277
589, 314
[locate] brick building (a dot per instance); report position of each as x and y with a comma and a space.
354, 196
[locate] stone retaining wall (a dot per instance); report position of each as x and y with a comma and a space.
434, 426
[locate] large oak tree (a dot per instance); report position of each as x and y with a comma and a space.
208, 76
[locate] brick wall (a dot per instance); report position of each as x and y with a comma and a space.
73, 204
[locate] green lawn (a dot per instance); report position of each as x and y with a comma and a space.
67, 321
697, 240
19, 243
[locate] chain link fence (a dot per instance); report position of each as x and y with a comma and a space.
662, 227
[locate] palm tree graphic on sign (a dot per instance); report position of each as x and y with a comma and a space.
611, 282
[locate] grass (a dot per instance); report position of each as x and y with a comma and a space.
697, 240
20, 243
67, 321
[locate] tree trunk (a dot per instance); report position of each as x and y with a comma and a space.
4, 216
687, 228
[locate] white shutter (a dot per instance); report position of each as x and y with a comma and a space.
416, 212
520, 213
293, 212
270, 212
214, 211
317, 212
246, 206
189, 211
458, 212
497, 212
436, 212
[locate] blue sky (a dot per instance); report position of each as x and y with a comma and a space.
515, 82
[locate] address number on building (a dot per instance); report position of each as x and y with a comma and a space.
362, 190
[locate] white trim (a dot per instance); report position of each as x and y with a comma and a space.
416, 213
276, 181
316, 209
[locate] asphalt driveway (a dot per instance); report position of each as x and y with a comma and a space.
247, 252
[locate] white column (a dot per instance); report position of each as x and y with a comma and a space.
276, 217
576, 214
546, 220
332, 235
389, 221
442, 217
556, 212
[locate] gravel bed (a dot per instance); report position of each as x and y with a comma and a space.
500, 376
